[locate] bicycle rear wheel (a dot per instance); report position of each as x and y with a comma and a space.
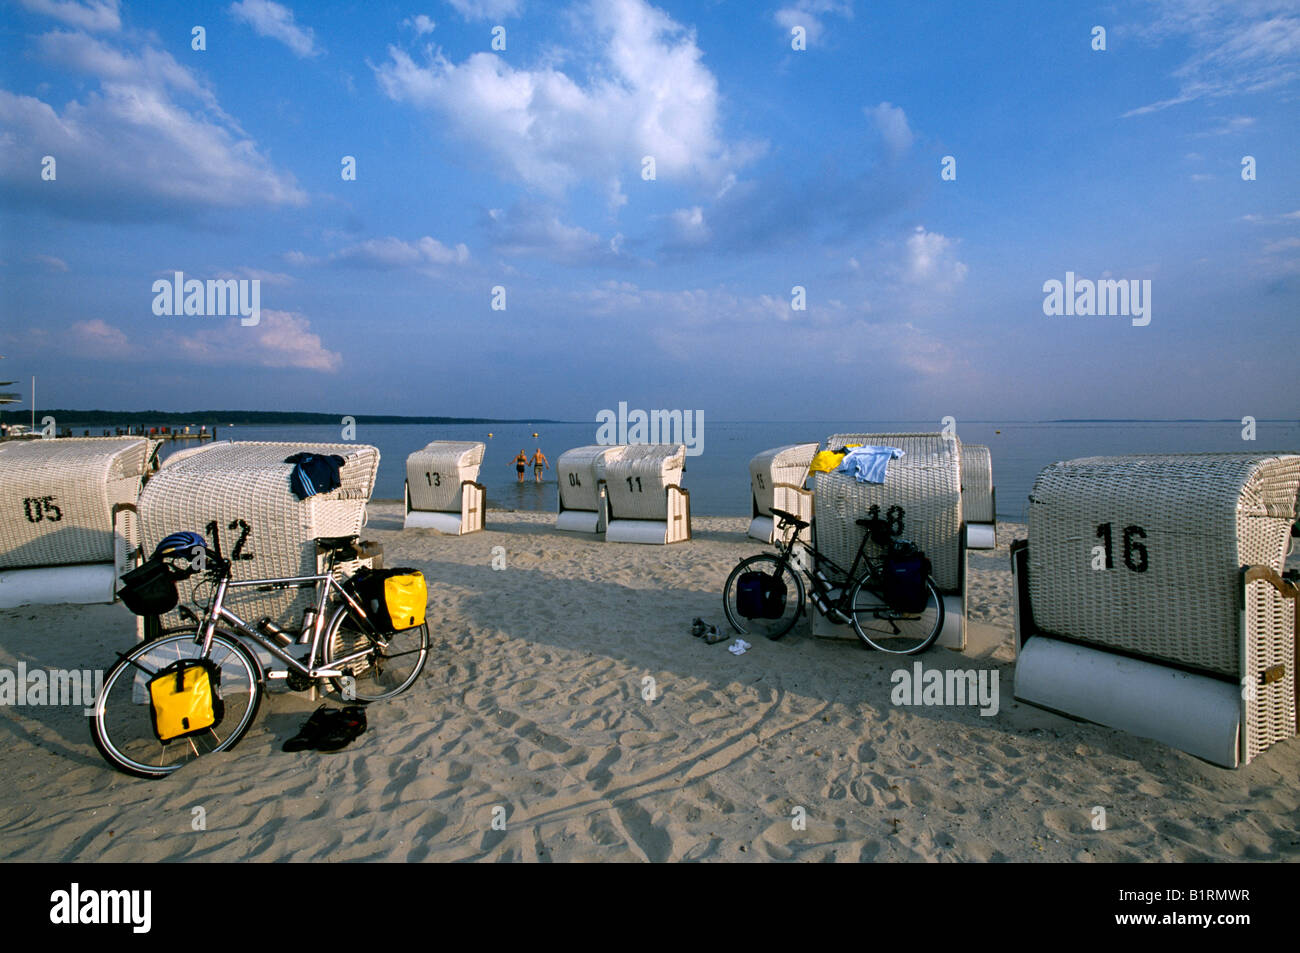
121, 724
393, 663
791, 609
886, 629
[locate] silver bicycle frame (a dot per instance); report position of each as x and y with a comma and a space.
217, 611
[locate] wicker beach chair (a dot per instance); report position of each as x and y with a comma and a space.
924, 487
925, 484
67, 516
442, 488
978, 498
1166, 568
583, 505
647, 503
776, 479
244, 489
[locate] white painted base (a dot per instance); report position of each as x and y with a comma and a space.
1193, 713
449, 523
761, 527
578, 521
981, 536
636, 531
55, 585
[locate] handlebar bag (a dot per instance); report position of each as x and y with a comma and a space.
760, 596
394, 599
184, 700
150, 588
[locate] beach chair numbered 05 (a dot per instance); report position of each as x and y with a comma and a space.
189, 693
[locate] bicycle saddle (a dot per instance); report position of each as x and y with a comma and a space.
332, 544
790, 518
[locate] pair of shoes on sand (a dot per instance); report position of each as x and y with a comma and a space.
702, 630
329, 729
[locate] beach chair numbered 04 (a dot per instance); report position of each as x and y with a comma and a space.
890, 599
190, 693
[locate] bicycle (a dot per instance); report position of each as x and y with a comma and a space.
345, 650
858, 598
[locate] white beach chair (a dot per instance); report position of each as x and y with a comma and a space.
647, 503
978, 497
923, 491
244, 489
67, 517
776, 479
583, 504
442, 488
1149, 598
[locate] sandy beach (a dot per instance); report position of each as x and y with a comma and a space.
534, 702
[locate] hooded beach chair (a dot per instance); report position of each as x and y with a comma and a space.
776, 479
442, 488
583, 504
1149, 598
68, 521
244, 490
647, 503
921, 497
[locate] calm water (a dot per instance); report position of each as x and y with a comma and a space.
718, 479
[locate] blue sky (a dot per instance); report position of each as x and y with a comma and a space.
774, 168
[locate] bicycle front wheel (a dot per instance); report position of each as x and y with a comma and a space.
121, 724
882, 627
390, 666
790, 609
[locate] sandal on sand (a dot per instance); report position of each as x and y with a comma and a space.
325, 728
712, 636
306, 737
349, 726
698, 627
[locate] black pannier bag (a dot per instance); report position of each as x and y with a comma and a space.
760, 596
149, 589
905, 572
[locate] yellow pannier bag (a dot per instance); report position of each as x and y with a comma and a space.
828, 460
405, 596
183, 699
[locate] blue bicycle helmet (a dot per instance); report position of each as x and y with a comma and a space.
180, 544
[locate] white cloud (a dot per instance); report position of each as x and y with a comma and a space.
150, 142
930, 261
529, 230
421, 24
892, 123
50, 262
689, 226
390, 254
275, 21
648, 93
281, 339
97, 338
94, 15
809, 13
486, 9
1240, 47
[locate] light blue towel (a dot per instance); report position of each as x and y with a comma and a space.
868, 464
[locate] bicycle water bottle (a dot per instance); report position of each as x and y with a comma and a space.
308, 624
268, 627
